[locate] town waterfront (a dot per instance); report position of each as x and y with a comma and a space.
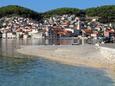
21, 70
57, 43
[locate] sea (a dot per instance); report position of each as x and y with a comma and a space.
22, 70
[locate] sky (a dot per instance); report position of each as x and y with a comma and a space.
45, 5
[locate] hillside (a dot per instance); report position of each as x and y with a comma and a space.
61, 11
12, 10
105, 13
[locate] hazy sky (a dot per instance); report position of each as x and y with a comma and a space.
45, 5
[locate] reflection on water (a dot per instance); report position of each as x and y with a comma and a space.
68, 41
18, 71
8, 46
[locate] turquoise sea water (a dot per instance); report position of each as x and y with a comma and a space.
18, 70
39, 72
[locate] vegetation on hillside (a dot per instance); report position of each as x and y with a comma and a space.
105, 13
61, 11
12, 10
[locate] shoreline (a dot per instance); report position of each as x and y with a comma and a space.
87, 55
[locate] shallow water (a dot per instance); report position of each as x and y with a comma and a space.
39, 72
18, 70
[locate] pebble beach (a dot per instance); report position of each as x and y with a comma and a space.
87, 55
